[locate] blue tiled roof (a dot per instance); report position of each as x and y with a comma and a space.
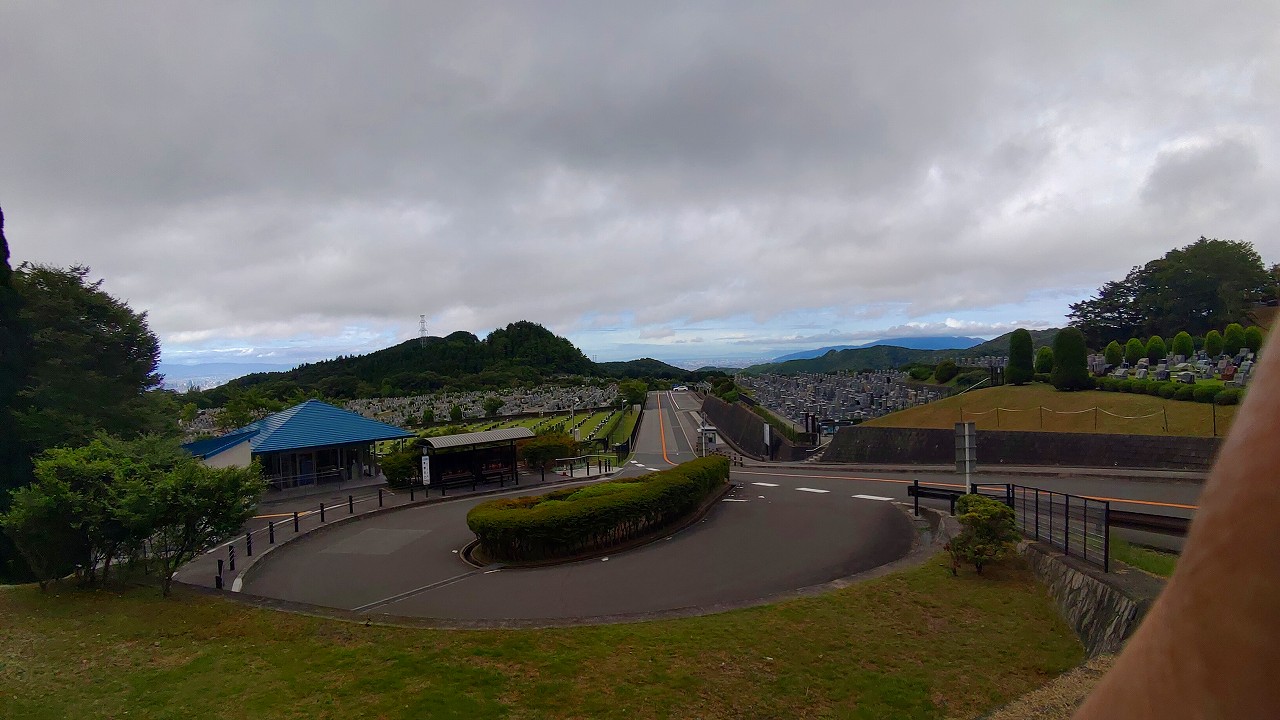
310, 424
212, 446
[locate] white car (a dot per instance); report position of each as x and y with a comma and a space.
680, 387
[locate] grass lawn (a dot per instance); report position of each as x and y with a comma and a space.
622, 431
1153, 561
1020, 411
914, 644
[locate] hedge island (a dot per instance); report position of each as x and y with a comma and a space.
574, 521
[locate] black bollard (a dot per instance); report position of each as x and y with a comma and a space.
351, 504
410, 493
271, 532
321, 512
217, 582
295, 521
231, 558
248, 544
379, 497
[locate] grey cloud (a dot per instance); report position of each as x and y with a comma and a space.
256, 169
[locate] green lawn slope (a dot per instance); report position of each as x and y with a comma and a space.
1020, 410
914, 644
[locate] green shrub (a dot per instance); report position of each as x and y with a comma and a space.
920, 372
1126, 386
1253, 338
572, 521
1043, 377
970, 378
1044, 360
403, 466
1134, 351
945, 371
1168, 390
541, 452
1021, 362
1184, 392
1183, 344
1232, 339
989, 532
1156, 350
1213, 343
1205, 393
1071, 370
1113, 354
1229, 396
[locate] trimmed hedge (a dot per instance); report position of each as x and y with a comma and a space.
573, 521
1228, 396
1205, 393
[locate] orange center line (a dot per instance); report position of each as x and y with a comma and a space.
662, 431
1153, 503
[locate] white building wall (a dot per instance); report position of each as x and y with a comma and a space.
234, 456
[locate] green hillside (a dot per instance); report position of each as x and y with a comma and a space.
884, 357
644, 367
520, 353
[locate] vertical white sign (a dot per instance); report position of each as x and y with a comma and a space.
426, 469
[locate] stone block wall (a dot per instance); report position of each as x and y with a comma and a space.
1104, 609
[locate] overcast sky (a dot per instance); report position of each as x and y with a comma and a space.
289, 181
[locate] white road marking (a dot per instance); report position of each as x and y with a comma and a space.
813, 490
871, 497
733, 500
765, 484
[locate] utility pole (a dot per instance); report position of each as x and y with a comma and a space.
422, 330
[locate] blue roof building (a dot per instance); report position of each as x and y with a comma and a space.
308, 443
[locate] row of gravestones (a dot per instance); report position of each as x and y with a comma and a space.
1235, 371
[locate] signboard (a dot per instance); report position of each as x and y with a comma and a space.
426, 469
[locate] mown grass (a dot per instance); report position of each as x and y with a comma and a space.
1152, 561
914, 644
1021, 411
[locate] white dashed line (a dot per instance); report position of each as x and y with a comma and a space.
733, 500
765, 484
871, 497
813, 490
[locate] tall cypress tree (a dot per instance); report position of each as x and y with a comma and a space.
1021, 363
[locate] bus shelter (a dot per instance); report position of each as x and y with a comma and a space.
472, 458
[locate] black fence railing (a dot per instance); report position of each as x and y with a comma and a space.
1076, 525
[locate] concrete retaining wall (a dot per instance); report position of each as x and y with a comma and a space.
926, 446
1104, 609
745, 430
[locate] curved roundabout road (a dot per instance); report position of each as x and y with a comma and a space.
769, 536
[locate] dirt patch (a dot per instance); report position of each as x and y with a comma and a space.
1060, 698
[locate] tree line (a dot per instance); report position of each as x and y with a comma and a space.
90, 469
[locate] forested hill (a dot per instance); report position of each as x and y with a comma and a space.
644, 367
884, 357
522, 352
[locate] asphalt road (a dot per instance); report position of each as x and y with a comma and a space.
783, 528
767, 537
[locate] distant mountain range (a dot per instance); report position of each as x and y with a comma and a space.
884, 357
937, 342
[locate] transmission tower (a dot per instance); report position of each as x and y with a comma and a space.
422, 330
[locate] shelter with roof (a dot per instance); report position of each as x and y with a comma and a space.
470, 458
308, 443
